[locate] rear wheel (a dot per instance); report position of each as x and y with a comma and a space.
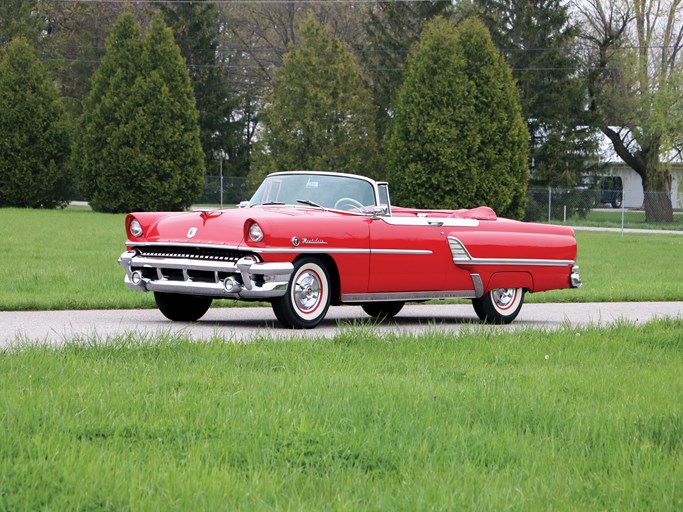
182, 308
308, 296
382, 310
500, 306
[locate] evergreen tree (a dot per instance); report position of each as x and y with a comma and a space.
197, 29
458, 139
391, 30
140, 147
34, 133
320, 116
539, 39
94, 154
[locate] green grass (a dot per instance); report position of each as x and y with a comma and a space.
585, 419
68, 260
632, 220
632, 268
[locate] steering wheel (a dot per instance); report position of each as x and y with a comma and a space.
349, 202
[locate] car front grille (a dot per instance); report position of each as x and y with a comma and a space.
192, 253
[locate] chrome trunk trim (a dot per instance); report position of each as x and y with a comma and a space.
461, 256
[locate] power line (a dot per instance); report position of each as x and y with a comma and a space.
362, 51
228, 2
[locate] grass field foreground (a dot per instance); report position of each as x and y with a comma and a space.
585, 419
67, 259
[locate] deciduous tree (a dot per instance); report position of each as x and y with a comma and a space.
634, 68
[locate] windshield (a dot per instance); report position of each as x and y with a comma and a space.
337, 192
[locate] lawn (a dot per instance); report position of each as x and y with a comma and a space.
586, 419
68, 260
633, 219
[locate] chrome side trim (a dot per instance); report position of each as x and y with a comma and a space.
340, 250
407, 296
283, 250
517, 262
461, 256
400, 251
478, 285
301, 250
431, 221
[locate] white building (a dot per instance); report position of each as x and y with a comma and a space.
632, 183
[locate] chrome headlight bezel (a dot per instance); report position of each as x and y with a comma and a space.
255, 232
135, 228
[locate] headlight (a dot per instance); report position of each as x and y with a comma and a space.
135, 228
255, 232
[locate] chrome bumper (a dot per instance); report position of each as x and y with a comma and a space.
245, 279
575, 278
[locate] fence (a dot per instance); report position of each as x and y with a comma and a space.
606, 207
224, 191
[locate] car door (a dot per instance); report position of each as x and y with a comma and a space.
408, 254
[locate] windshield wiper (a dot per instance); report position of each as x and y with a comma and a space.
268, 203
310, 203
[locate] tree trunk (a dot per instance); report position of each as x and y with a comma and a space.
657, 192
658, 207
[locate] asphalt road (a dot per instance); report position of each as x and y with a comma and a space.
245, 324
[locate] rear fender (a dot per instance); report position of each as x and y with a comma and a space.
510, 280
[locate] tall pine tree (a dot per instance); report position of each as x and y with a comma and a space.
140, 147
539, 39
197, 30
34, 133
391, 30
458, 139
320, 116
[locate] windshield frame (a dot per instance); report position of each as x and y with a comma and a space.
264, 195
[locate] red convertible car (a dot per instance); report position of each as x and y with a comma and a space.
306, 240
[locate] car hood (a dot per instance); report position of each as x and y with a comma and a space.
223, 227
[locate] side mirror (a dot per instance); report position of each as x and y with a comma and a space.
243, 204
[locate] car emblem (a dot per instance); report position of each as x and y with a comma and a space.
295, 241
191, 232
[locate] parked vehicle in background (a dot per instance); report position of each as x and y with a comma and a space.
308, 240
612, 191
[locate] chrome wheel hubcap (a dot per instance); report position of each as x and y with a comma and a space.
503, 298
307, 291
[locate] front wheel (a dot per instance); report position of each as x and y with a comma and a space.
182, 308
500, 306
382, 310
308, 296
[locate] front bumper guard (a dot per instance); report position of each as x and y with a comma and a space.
245, 279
